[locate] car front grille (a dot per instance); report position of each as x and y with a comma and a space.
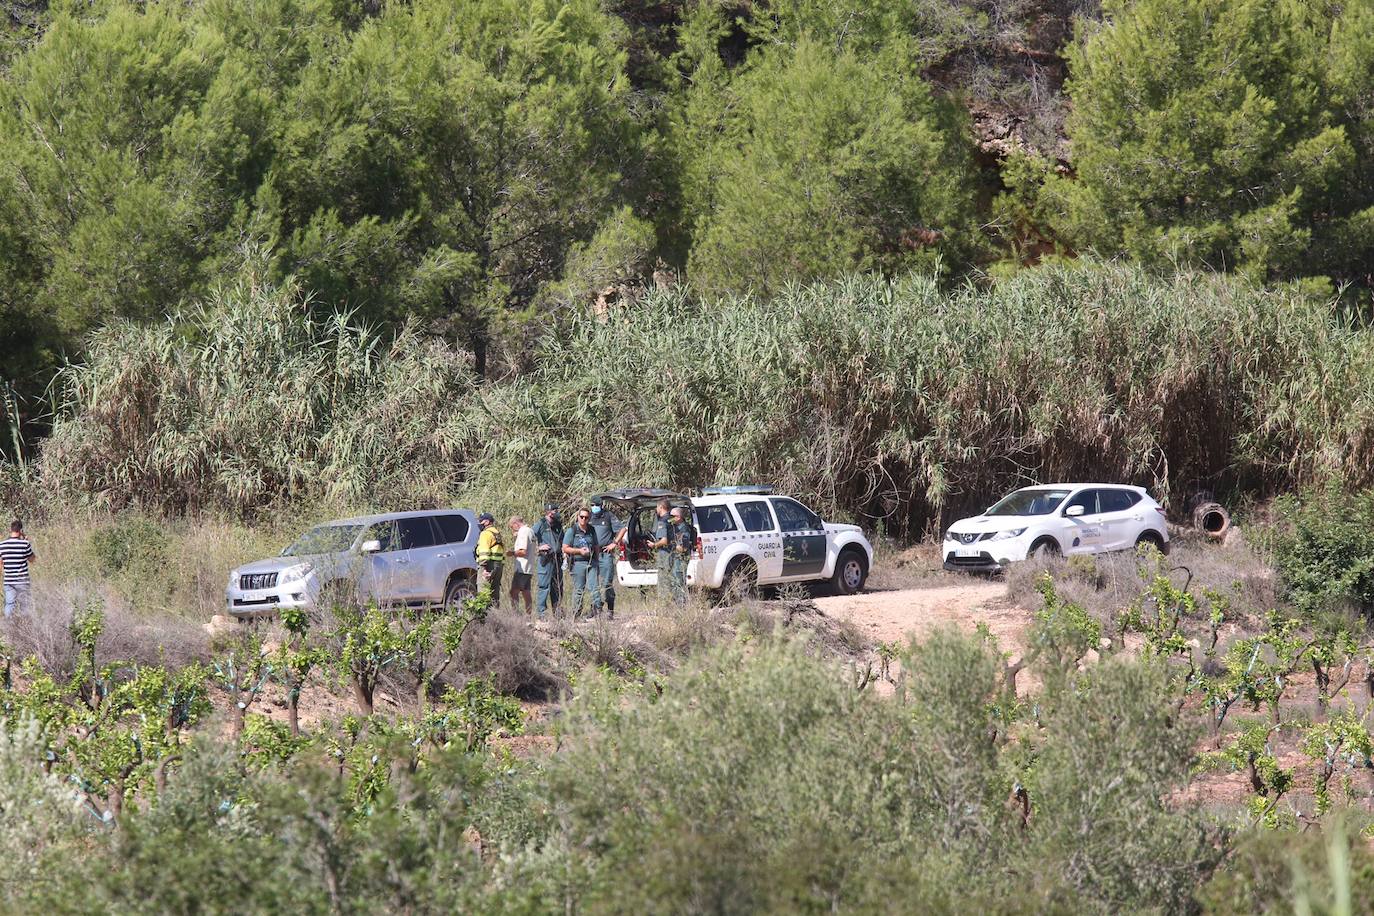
971, 538
983, 559
254, 581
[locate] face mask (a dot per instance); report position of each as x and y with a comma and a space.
596, 510
556, 519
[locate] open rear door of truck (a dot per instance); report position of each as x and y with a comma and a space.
635, 567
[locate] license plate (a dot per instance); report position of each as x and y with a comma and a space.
254, 596
967, 552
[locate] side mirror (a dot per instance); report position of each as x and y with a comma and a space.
372, 546
1073, 511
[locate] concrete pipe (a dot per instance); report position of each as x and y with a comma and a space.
1212, 519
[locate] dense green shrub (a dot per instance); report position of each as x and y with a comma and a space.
225, 839
1324, 550
760, 781
1279, 872
753, 779
133, 543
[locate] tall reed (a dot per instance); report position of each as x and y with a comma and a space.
251, 400
903, 401
896, 401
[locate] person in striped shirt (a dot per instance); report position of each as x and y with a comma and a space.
16, 552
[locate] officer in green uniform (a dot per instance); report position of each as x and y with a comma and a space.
548, 540
580, 547
684, 539
663, 549
609, 531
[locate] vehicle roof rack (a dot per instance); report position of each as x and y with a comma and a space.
739, 490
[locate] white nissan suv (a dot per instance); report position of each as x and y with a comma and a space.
746, 537
1059, 519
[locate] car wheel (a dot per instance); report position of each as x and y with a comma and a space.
1153, 539
458, 590
851, 572
1045, 549
741, 581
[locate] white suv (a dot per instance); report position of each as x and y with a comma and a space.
1063, 519
746, 536
406, 558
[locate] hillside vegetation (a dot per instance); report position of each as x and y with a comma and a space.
740, 759
268, 262
887, 401
488, 167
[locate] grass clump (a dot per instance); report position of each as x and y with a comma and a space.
156, 566
503, 647
1105, 585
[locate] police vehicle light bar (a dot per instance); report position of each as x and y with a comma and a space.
743, 490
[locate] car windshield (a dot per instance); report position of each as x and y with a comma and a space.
1030, 502
324, 539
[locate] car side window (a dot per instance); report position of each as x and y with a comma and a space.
415, 532
793, 516
383, 533
1115, 500
755, 516
1087, 499
714, 519
454, 528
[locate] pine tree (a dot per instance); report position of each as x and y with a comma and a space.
1223, 132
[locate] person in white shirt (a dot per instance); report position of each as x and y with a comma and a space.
524, 565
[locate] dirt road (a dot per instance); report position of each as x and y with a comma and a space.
889, 616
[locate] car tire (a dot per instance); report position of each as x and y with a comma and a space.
458, 590
1046, 549
1153, 539
741, 581
851, 572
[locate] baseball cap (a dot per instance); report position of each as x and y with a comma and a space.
486, 517
550, 507
596, 501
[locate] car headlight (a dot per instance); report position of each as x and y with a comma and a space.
1008, 534
294, 573
949, 536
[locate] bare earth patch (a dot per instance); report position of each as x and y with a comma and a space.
894, 616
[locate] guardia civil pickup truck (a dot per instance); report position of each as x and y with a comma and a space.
746, 537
